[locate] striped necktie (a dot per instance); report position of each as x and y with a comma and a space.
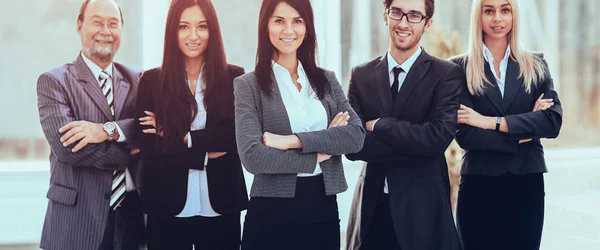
118, 188
106, 87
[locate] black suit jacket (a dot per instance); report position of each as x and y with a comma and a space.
164, 176
494, 153
407, 145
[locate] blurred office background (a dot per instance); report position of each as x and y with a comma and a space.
36, 36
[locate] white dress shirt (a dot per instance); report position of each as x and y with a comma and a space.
109, 70
304, 109
198, 200
406, 67
487, 55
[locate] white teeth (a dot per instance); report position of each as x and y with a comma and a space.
192, 44
288, 40
402, 34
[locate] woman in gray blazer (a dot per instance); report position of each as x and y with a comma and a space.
293, 123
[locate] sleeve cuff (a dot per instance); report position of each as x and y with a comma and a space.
122, 137
373, 127
206, 159
189, 144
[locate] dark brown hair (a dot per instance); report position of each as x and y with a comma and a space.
429, 7
175, 105
306, 52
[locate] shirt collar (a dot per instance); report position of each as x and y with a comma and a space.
487, 54
96, 69
278, 69
407, 64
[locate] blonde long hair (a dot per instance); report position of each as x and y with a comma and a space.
531, 67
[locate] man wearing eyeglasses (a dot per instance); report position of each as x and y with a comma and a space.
407, 101
86, 110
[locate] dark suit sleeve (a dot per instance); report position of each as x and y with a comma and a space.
372, 149
220, 138
150, 145
55, 111
473, 138
128, 127
337, 140
538, 124
147, 143
430, 138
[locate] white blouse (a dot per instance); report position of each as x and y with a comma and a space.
198, 200
304, 109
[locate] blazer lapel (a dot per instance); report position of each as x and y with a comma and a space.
493, 92
92, 88
382, 82
414, 76
121, 91
272, 112
512, 84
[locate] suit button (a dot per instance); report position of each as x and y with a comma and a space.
107, 196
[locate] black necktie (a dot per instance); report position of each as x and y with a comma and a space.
394, 89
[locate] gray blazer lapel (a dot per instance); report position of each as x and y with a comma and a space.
275, 117
92, 88
121, 91
329, 104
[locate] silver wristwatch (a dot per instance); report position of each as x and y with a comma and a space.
110, 128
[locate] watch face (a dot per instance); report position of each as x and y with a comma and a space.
109, 126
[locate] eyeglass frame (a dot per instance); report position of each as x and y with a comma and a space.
389, 10
102, 23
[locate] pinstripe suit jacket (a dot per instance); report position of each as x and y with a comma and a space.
275, 171
80, 183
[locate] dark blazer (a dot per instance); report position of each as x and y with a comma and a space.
407, 145
275, 171
164, 176
495, 153
80, 183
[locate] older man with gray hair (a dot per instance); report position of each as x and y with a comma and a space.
86, 110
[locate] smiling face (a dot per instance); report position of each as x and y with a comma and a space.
286, 29
100, 31
193, 33
496, 19
405, 36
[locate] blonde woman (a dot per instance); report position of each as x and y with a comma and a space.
507, 106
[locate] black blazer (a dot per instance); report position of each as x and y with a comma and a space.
164, 177
494, 153
407, 145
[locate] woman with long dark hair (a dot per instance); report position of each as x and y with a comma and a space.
293, 123
192, 185
508, 105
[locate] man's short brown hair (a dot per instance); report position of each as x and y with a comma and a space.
429, 6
